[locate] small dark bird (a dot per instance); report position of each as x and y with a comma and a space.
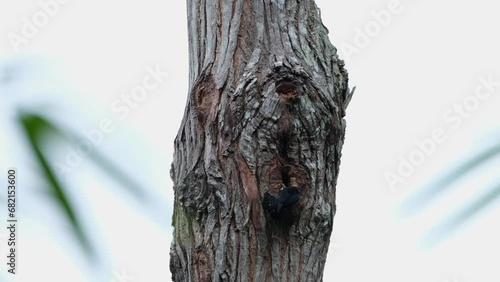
281, 205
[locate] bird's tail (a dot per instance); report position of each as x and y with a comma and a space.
270, 203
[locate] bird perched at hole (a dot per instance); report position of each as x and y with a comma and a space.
281, 205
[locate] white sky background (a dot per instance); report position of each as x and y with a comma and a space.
426, 59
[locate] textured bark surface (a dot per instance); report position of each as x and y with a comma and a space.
266, 105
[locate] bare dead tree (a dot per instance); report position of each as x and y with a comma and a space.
267, 99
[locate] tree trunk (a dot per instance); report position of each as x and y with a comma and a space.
267, 99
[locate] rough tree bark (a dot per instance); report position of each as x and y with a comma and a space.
267, 99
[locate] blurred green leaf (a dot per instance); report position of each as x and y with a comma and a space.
431, 193
37, 129
452, 223
110, 168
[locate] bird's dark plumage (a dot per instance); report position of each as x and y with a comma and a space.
278, 206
